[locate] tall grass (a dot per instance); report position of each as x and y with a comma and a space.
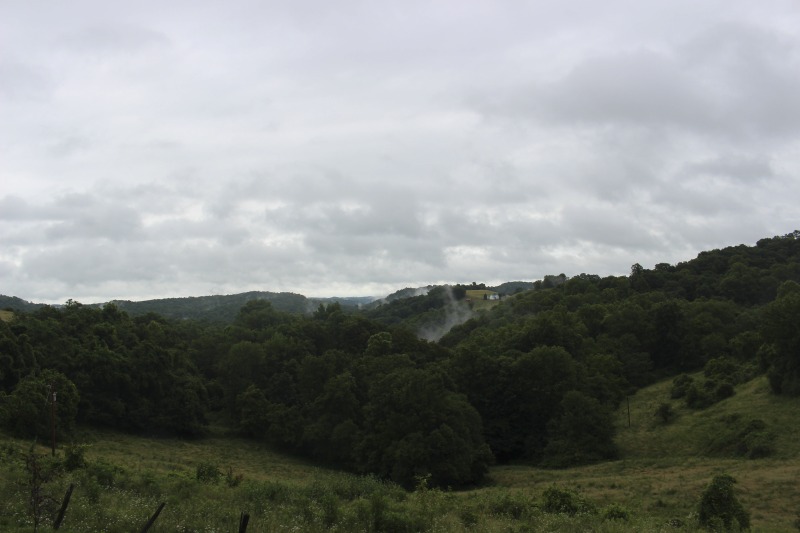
121, 496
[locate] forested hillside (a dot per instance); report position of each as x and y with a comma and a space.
18, 304
215, 308
535, 378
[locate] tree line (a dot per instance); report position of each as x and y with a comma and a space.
534, 379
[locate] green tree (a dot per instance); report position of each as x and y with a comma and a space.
333, 420
27, 411
415, 426
258, 315
781, 330
720, 508
582, 433
666, 343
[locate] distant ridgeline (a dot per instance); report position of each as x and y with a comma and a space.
224, 308
216, 308
17, 304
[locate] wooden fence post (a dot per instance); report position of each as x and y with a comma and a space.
153, 518
244, 518
64, 504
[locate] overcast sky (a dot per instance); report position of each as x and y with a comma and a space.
155, 149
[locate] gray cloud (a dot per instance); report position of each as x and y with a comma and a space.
733, 79
21, 82
117, 38
163, 150
736, 167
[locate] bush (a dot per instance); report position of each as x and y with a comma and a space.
680, 386
615, 512
329, 505
722, 368
564, 501
758, 445
104, 473
697, 398
232, 479
737, 438
208, 473
74, 457
719, 507
90, 489
723, 390
469, 516
510, 505
755, 441
665, 412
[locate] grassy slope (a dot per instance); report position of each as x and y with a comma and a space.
5, 315
663, 471
180, 457
665, 467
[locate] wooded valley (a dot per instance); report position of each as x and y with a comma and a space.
535, 379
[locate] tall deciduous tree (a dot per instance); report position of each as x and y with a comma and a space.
582, 433
415, 426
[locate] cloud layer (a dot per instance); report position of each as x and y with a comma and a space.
189, 148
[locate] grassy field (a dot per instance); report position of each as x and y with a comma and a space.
665, 467
6, 315
659, 480
480, 299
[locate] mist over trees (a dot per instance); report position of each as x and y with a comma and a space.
534, 379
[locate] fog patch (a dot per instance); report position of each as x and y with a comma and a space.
455, 312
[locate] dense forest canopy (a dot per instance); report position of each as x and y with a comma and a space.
533, 378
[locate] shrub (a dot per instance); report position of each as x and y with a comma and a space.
329, 505
615, 512
563, 501
697, 398
469, 516
737, 438
755, 441
722, 368
232, 479
208, 473
74, 457
758, 445
719, 507
511, 505
665, 412
723, 390
680, 386
90, 489
104, 473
